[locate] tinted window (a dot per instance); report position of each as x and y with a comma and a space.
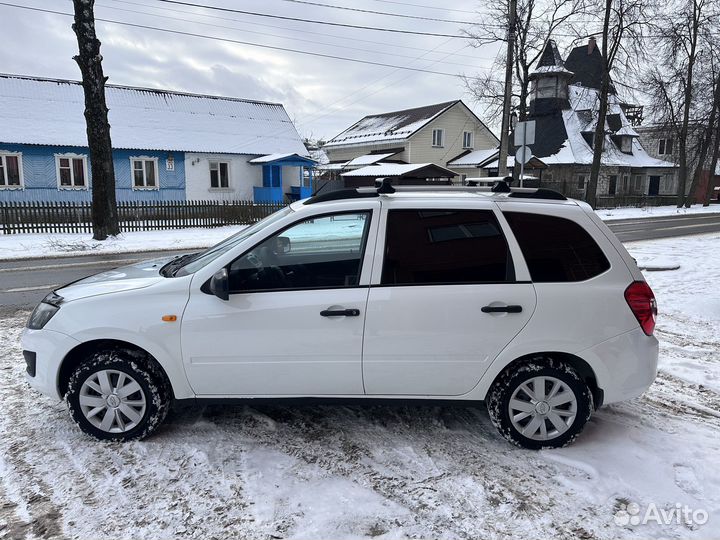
434, 246
556, 249
316, 253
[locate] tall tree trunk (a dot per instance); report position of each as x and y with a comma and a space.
599, 136
104, 205
687, 104
708, 137
710, 190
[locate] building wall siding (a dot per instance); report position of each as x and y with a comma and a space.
243, 176
41, 183
454, 121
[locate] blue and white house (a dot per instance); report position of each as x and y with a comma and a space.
166, 145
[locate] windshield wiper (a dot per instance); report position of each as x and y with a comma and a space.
178, 262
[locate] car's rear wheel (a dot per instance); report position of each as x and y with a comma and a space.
117, 395
542, 403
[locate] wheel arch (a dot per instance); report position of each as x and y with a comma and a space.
584, 370
80, 352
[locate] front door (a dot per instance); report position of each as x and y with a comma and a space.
654, 186
294, 322
447, 304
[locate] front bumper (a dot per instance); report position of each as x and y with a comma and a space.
49, 348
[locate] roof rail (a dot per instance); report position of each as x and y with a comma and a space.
383, 186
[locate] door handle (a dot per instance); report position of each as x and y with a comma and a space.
340, 313
501, 309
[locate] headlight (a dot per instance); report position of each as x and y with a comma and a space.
44, 311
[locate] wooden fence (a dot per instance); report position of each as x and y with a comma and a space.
74, 217
617, 201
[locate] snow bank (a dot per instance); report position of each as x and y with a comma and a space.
611, 214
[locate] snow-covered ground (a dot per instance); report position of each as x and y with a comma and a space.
611, 214
384, 471
22, 246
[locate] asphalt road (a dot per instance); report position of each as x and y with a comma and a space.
24, 283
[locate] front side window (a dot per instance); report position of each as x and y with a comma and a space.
581, 181
71, 171
444, 247
319, 253
467, 139
556, 249
10, 171
219, 174
438, 137
144, 171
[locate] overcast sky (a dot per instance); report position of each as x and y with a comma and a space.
322, 95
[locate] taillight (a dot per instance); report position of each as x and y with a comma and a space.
641, 300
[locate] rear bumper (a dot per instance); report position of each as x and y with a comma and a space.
46, 350
625, 366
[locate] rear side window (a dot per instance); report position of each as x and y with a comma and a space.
444, 247
556, 249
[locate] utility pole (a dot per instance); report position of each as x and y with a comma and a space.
505, 129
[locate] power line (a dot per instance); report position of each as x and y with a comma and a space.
313, 21
323, 34
279, 36
236, 41
425, 6
374, 12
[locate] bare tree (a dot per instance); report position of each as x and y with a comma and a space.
536, 22
685, 44
624, 24
89, 59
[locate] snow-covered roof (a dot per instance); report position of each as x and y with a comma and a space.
476, 158
391, 126
50, 112
397, 169
369, 159
276, 157
572, 148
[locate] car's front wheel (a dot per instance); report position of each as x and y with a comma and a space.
118, 395
542, 403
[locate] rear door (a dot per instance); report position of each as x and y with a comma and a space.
447, 295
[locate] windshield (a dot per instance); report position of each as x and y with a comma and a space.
201, 259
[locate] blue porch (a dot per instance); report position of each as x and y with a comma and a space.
273, 188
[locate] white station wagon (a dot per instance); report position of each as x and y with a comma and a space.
516, 297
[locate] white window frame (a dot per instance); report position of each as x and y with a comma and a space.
439, 140
220, 186
144, 159
72, 186
637, 183
4, 184
470, 135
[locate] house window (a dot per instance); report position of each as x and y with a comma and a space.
145, 172
665, 147
71, 171
438, 137
581, 181
667, 184
637, 183
612, 185
626, 144
626, 181
467, 139
219, 174
11, 171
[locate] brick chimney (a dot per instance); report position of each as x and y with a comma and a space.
591, 45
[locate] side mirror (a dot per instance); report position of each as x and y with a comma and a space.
220, 284
283, 244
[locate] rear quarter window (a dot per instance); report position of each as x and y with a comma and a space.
556, 249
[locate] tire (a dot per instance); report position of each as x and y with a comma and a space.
118, 395
533, 425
